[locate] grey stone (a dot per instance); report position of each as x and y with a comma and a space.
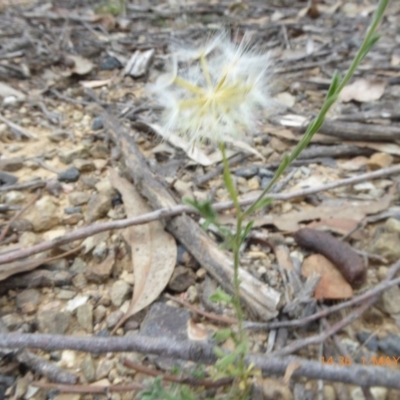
55, 265
106, 188
72, 219
12, 321
99, 150
89, 181
98, 207
265, 181
108, 64
247, 172
392, 225
23, 225
84, 315
166, 321
88, 368
68, 156
58, 136
28, 300
99, 313
100, 251
99, 273
79, 281
97, 124
11, 164
114, 318
43, 215
78, 266
368, 339
78, 198
7, 179
264, 172
54, 187
52, 321
64, 294
120, 291
182, 278
69, 175
389, 301
84, 165
390, 345
387, 244
104, 368
72, 210
14, 197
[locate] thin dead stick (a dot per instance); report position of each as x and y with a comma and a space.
208, 383
384, 285
89, 388
180, 209
204, 353
26, 185
210, 316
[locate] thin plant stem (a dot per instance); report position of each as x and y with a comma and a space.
241, 335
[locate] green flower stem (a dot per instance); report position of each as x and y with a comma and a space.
333, 93
240, 337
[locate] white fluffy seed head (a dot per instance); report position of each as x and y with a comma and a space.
217, 93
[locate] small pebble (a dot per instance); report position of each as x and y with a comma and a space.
78, 198
114, 318
247, 172
72, 210
69, 175
84, 165
120, 291
109, 63
99, 313
14, 197
97, 124
79, 281
265, 181
369, 340
65, 294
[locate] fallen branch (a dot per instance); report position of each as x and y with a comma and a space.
204, 353
169, 212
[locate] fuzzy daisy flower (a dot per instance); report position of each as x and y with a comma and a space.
216, 93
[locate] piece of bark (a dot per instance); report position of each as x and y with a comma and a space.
346, 260
46, 368
340, 150
38, 278
261, 300
359, 132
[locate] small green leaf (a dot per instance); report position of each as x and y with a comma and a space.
219, 352
221, 297
204, 208
222, 334
246, 231
265, 202
226, 361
